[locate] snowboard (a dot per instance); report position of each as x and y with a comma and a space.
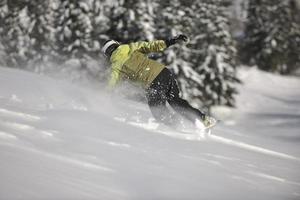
187, 130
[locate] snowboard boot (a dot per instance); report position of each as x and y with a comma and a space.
209, 121
206, 122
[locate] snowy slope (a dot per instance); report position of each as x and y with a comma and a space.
61, 141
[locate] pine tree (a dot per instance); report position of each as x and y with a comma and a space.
100, 21
169, 19
123, 25
42, 35
145, 12
132, 20
3, 12
74, 29
15, 34
205, 68
272, 36
3, 15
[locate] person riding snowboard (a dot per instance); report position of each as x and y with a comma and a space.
131, 62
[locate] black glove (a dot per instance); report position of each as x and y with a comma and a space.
176, 39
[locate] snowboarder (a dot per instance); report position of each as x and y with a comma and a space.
130, 61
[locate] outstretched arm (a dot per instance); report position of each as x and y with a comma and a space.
157, 45
149, 47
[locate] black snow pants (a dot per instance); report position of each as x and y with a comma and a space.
164, 89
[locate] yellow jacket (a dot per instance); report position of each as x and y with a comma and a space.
130, 61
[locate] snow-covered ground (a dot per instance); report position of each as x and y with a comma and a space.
62, 141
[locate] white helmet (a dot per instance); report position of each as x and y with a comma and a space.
109, 46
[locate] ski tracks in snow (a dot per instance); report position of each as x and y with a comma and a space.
248, 173
21, 115
206, 135
249, 147
15, 124
19, 128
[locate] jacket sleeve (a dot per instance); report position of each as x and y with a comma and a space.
114, 76
149, 47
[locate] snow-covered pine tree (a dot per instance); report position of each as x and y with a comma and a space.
74, 28
3, 15
132, 20
42, 35
123, 25
100, 21
168, 23
206, 67
169, 15
145, 12
15, 34
272, 36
